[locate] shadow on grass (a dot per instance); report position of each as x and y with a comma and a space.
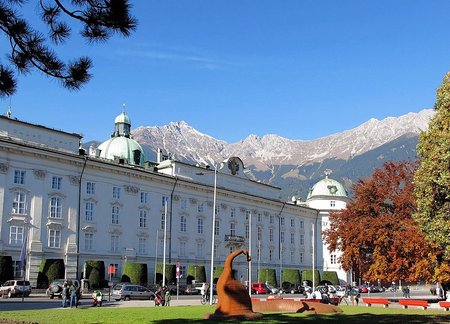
335, 318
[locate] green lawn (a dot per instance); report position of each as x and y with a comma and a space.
194, 314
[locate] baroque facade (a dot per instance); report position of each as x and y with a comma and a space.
109, 203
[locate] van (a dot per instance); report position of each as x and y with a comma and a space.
259, 288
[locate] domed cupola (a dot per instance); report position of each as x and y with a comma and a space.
121, 147
327, 188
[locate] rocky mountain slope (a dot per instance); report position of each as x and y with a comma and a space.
295, 165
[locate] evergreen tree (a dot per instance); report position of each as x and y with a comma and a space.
29, 49
432, 180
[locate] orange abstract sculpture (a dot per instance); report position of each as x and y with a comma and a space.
233, 298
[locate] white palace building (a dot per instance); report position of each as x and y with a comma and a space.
111, 204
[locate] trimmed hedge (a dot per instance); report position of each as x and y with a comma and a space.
170, 273
307, 276
291, 275
268, 275
95, 272
49, 270
217, 273
330, 276
6, 268
197, 273
136, 273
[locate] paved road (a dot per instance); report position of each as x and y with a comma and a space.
41, 301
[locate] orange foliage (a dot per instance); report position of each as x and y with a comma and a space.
376, 232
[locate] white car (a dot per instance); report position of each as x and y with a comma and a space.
13, 288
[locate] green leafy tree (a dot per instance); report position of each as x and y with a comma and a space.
29, 48
432, 180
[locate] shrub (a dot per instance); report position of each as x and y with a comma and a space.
49, 270
170, 273
307, 276
136, 272
217, 272
291, 275
197, 273
331, 277
95, 272
6, 268
268, 275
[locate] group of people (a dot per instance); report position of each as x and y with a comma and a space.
70, 294
162, 296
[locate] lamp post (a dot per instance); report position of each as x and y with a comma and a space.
213, 234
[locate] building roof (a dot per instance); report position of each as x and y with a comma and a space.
327, 187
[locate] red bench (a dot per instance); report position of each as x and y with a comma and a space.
378, 301
445, 304
413, 302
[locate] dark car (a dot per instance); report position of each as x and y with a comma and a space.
56, 286
289, 288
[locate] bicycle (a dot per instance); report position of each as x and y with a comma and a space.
204, 299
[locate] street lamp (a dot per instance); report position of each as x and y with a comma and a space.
213, 234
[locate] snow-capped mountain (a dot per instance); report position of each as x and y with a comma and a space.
277, 160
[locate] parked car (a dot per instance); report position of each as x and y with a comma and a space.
13, 288
259, 288
130, 291
56, 286
191, 290
289, 288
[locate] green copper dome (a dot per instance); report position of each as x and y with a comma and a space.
327, 187
121, 147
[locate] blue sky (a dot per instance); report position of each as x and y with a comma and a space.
300, 69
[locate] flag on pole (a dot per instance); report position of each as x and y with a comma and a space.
23, 254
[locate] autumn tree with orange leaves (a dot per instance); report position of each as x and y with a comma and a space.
376, 232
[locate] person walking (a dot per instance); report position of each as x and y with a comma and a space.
73, 295
167, 297
64, 294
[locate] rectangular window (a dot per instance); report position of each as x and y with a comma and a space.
163, 218
114, 243
217, 209
16, 235
271, 234
116, 193
88, 241
55, 207
182, 248
56, 182
233, 212
144, 197
142, 245
292, 222
183, 203
259, 234
19, 203
199, 249
270, 254
282, 237
200, 207
247, 215
247, 231
302, 224
259, 217
272, 219
16, 268
282, 221
232, 229
183, 223
115, 215
302, 257
165, 201
89, 212
292, 238
217, 228
90, 188
292, 256
333, 259
302, 239
19, 176
183, 271
200, 225
54, 238
142, 218
332, 203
